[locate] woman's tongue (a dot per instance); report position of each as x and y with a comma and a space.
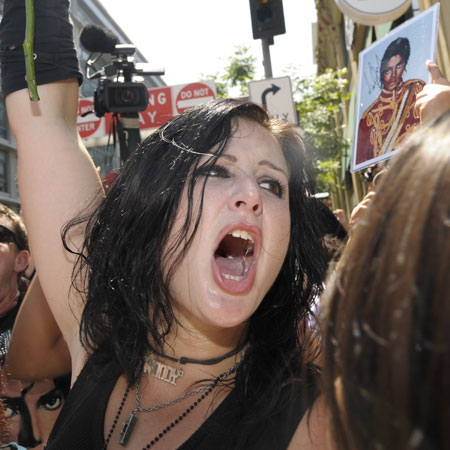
236, 266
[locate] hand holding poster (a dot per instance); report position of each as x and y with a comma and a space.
392, 72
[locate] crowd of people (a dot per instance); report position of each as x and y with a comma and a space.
208, 299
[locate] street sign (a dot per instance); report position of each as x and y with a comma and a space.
275, 94
159, 109
190, 95
88, 123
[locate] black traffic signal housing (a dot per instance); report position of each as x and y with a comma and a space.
267, 18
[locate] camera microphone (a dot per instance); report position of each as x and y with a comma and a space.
97, 39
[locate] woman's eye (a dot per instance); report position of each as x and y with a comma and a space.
273, 186
219, 172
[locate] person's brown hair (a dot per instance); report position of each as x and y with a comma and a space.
20, 238
386, 374
4, 423
17, 227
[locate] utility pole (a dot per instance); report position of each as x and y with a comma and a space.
266, 58
267, 22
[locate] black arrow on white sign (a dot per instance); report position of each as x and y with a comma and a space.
273, 89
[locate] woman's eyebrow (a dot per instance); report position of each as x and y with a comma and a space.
229, 157
264, 162
268, 163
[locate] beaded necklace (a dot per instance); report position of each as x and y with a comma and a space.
130, 422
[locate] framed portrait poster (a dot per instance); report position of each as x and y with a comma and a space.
392, 72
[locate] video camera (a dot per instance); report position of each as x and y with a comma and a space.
122, 95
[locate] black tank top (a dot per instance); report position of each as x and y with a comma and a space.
80, 423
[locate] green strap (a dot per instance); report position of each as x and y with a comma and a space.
28, 50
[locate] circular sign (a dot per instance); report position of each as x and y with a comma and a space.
193, 94
87, 121
373, 12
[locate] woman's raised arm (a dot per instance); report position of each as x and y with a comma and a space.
57, 178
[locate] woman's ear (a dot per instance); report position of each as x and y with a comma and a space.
21, 261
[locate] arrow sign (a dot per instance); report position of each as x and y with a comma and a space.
274, 89
275, 95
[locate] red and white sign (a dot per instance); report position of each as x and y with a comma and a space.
163, 103
159, 109
88, 125
190, 95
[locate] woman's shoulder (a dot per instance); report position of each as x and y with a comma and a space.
292, 406
311, 433
80, 422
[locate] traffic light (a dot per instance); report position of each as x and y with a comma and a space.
267, 18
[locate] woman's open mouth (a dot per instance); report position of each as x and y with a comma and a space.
235, 261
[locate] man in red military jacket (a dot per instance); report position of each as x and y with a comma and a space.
391, 116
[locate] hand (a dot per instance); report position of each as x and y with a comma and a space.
341, 217
360, 209
434, 99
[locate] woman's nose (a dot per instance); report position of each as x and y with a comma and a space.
246, 197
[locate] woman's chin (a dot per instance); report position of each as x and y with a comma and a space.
226, 310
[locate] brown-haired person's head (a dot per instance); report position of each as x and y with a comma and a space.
387, 323
14, 256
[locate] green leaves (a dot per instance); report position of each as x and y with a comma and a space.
319, 101
239, 71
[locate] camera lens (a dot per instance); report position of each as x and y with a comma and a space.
126, 96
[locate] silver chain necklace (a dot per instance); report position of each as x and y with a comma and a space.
130, 422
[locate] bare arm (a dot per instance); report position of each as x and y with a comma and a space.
57, 180
37, 349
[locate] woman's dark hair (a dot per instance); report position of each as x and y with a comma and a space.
387, 326
128, 309
399, 46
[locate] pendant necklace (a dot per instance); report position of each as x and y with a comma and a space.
170, 374
130, 422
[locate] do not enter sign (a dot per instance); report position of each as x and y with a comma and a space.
87, 123
193, 94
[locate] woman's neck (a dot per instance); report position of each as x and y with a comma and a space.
190, 342
207, 353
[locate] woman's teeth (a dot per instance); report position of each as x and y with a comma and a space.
243, 235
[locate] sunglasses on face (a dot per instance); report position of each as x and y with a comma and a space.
7, 236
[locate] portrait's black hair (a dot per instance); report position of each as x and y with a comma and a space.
128, 261
399, 46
